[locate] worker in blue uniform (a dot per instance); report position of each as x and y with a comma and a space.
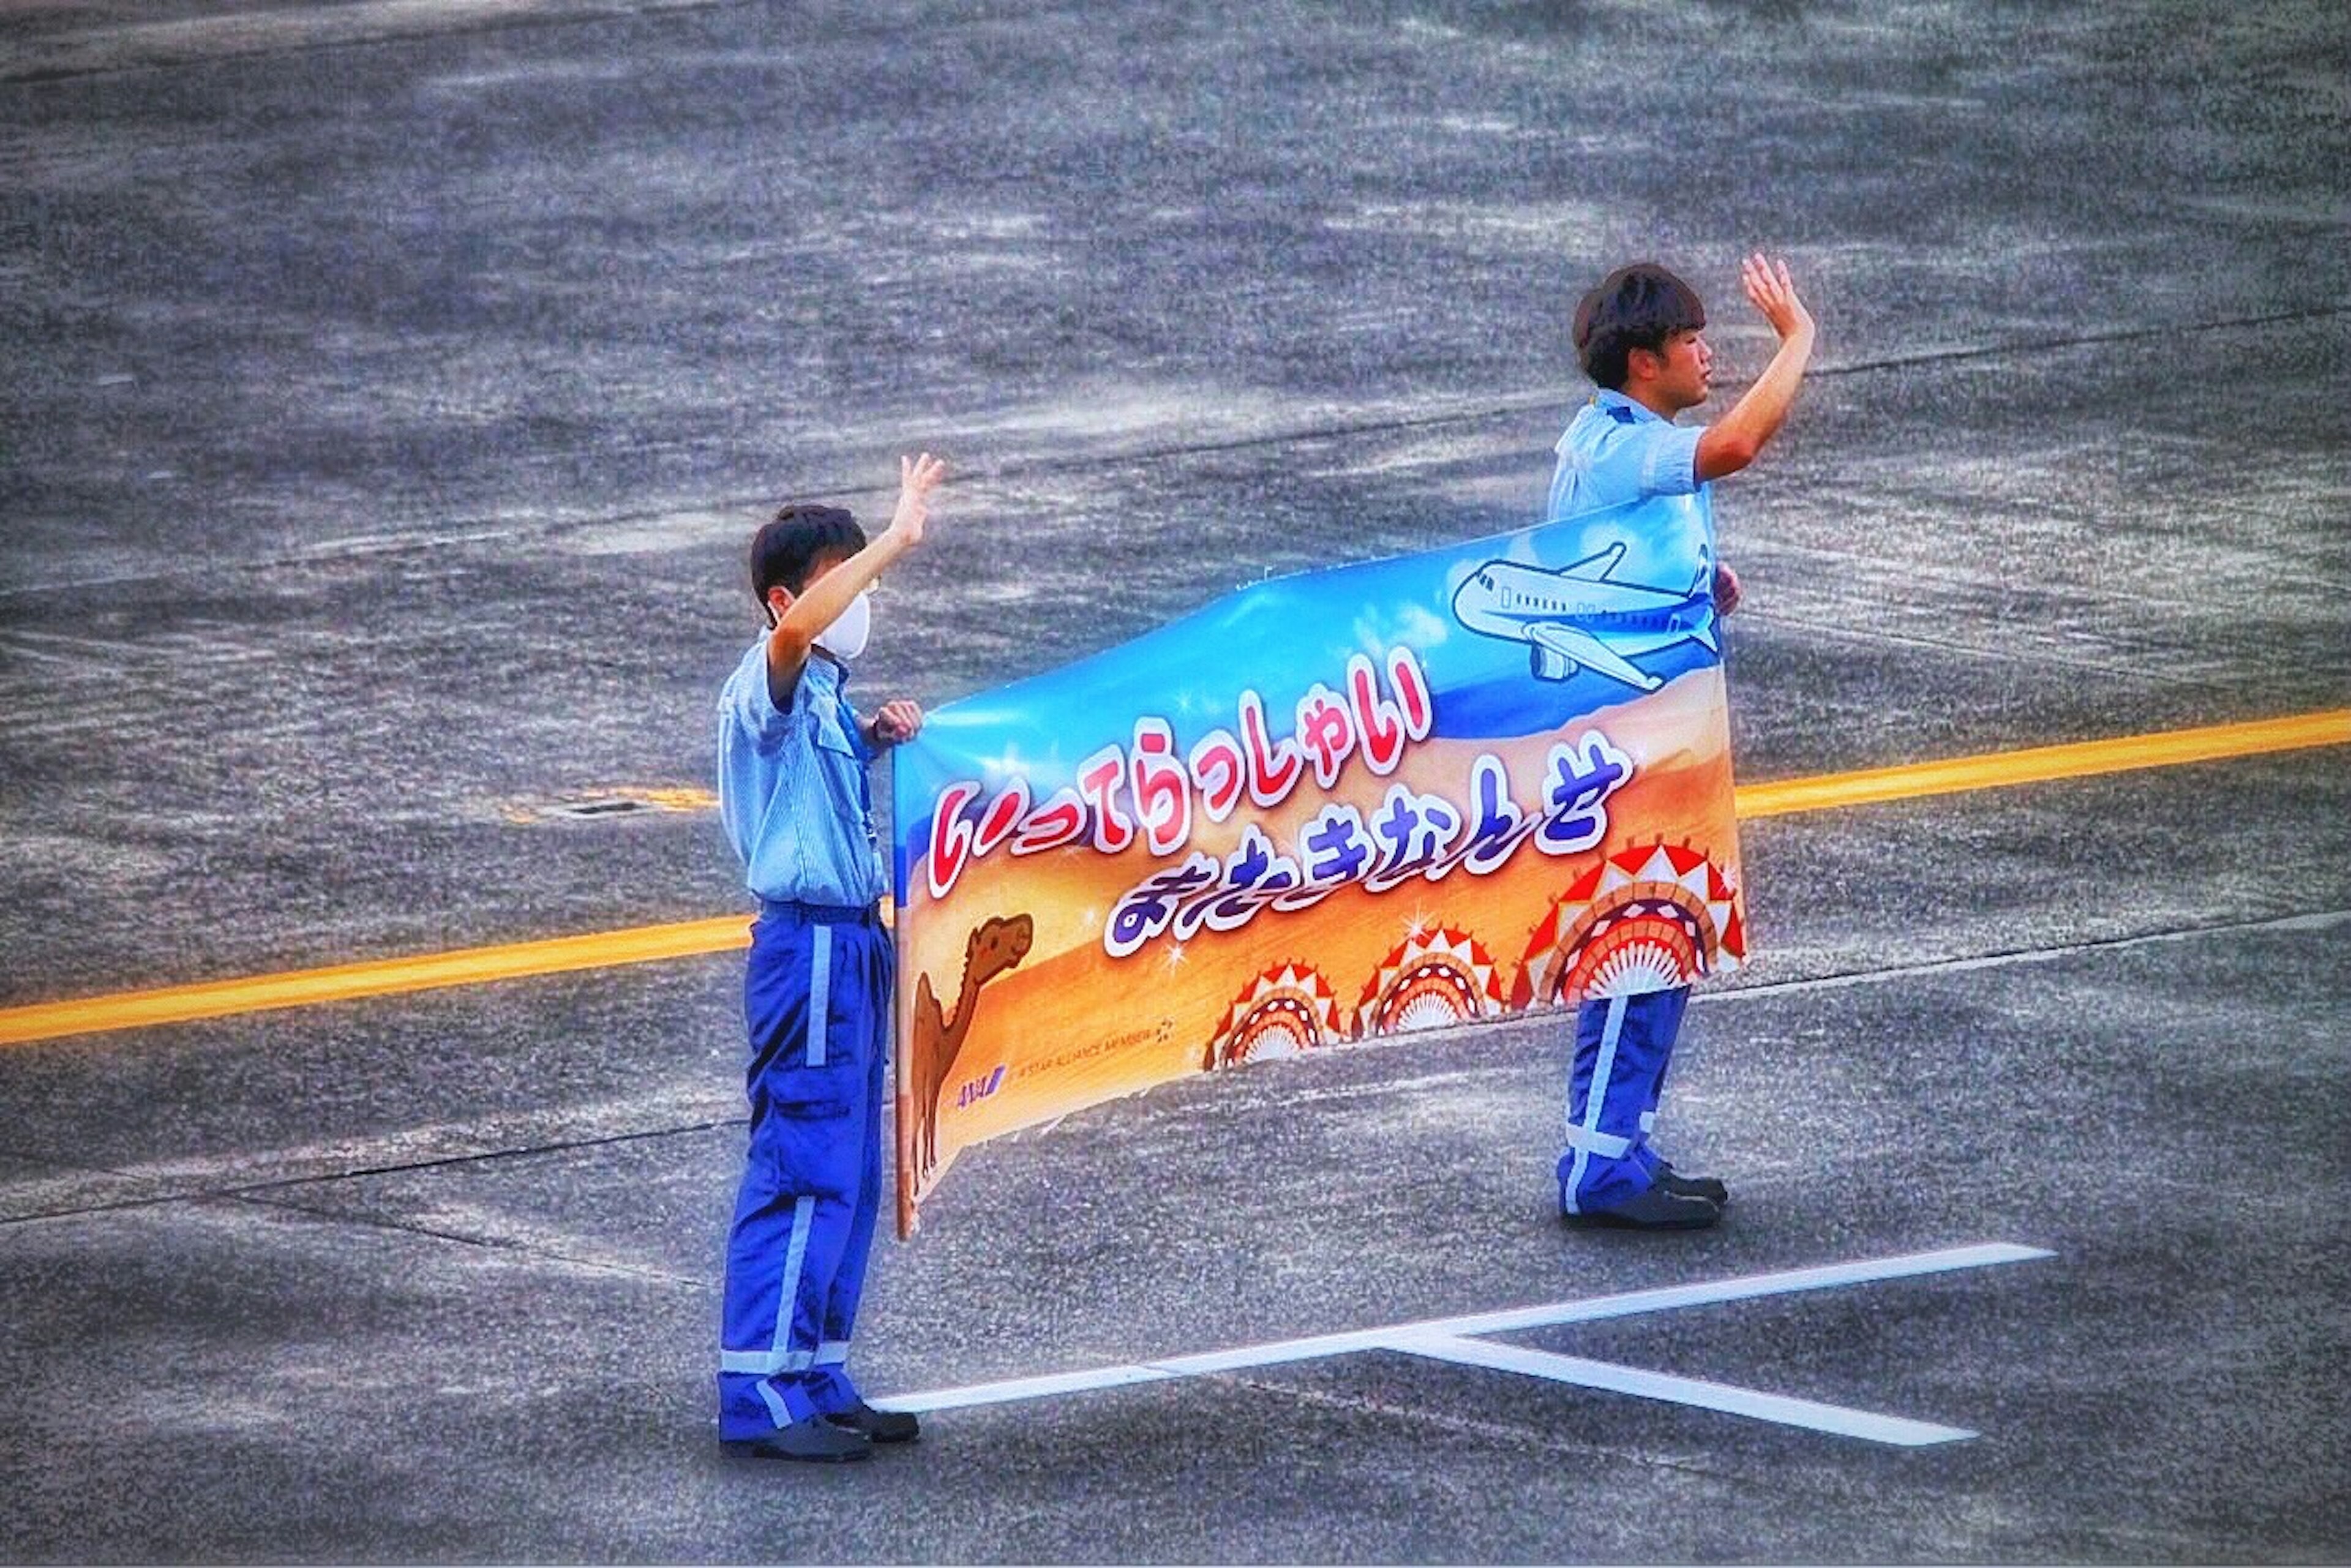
1640, 336
793, 795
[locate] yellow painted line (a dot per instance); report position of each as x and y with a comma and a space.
2041, 764
388, 976
688, 938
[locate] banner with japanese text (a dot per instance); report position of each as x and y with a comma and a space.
1406, 793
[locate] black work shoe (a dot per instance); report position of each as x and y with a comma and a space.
877, 1426
1655, 1209
1681, 1186
816, 1440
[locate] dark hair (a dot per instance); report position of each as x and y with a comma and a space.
1636, 307
787, 550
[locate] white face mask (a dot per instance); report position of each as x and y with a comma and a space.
845, 638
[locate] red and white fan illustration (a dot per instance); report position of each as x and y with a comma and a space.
1431, 980
1644, 919
1286, 1009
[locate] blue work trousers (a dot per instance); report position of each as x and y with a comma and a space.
816, 998
1623, 1045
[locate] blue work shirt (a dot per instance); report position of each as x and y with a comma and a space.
1615, 451
793, 789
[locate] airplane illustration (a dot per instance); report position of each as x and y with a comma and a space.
1579, 617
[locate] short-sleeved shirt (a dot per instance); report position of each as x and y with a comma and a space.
793, 789
1615, 451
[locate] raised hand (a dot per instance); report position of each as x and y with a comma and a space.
917, 477
1775, 293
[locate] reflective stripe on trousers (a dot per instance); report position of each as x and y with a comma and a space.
1622, 1046
816, 997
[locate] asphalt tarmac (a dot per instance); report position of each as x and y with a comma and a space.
391, 392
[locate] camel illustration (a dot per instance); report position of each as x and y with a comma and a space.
999, 944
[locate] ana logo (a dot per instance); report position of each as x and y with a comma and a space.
979, 1088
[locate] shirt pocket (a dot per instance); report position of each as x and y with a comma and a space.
832, 735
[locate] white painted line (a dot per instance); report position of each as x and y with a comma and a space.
1593, 1309
1026, 1388
1705, 1293
1715, 1291
1774, 1407
2317, 920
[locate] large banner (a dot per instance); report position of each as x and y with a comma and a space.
1486, 778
